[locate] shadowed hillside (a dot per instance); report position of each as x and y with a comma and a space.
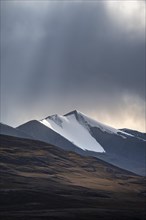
41, 181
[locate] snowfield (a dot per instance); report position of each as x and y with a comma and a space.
70, 128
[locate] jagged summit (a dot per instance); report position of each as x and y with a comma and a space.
56, 117
74, 112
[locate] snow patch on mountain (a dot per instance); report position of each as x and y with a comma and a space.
70, 128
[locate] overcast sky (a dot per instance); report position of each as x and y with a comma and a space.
65, 55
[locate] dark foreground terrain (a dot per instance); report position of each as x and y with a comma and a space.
40, 181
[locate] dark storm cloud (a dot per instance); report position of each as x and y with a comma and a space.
84, 53
64, 55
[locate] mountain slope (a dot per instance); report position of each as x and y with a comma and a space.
41, 181
76, 127
39, 131
123, 149
8, 130
137, 134
79, 133
129, 153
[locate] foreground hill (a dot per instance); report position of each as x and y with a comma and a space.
41, 181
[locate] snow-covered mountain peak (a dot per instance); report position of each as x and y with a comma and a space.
72, 127
77, 132
79, 118
78, 129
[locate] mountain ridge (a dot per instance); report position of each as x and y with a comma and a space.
79, 133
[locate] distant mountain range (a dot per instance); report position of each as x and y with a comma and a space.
77, 132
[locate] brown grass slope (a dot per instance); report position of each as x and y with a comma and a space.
41, 181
